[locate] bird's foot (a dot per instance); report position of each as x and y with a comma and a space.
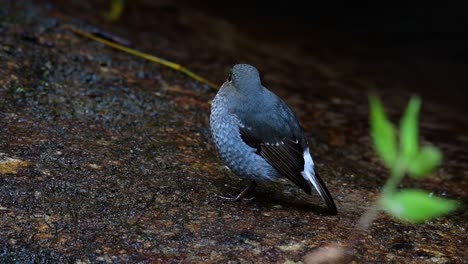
241, 195
235, 199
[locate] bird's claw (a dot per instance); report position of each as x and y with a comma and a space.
235, 199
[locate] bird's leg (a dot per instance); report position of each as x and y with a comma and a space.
241, 195
249, 188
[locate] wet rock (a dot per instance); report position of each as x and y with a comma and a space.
113, 161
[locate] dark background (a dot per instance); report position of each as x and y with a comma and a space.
424, 45
418, 47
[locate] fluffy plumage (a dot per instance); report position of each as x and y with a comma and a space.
259, 137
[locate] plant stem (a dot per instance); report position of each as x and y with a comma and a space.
397, 173
368, 217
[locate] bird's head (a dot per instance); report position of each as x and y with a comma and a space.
245, 78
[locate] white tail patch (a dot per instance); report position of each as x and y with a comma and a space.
308, 173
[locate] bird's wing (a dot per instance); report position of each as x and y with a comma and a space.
283, 152
275, 133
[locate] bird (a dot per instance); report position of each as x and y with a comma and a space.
259, 137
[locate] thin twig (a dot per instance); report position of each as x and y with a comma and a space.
146, 56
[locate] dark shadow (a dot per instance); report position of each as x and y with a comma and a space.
271, 194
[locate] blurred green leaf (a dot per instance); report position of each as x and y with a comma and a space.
382, 132
409, 130
416, 206
427, 160
115, 11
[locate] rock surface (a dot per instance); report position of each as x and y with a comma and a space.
117, 164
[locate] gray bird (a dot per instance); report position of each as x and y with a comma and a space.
258, 136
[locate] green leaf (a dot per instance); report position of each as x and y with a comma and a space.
428, 159
382, 132
416, 206
409, 130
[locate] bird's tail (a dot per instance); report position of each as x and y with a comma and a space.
321, 188
311, 175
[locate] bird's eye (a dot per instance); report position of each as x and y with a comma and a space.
229, 77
